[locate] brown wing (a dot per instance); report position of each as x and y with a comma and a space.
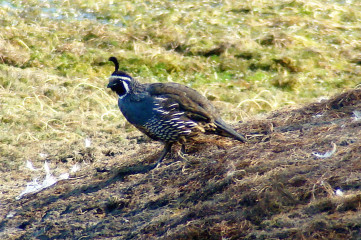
195, 106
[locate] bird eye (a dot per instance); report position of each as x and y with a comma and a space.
119, 86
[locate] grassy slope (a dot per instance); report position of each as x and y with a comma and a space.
273, 187
53, 57
248, 57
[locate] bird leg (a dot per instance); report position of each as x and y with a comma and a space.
166, 149
183, 149
144, 169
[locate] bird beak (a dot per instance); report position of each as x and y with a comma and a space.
111, 84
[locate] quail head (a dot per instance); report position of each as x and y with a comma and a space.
167, 112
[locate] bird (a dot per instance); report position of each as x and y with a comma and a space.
167, 112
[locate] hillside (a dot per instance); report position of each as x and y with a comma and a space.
279, 185
274, 69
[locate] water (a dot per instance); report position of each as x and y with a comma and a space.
50, 10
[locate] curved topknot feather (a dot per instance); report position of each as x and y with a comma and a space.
116, 63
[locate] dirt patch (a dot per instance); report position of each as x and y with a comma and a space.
273, 187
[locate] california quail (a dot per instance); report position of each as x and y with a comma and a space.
166, 112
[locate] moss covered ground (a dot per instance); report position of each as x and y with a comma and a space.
248, 57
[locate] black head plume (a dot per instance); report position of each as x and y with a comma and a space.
116, 63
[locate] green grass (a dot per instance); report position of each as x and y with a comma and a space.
54, 69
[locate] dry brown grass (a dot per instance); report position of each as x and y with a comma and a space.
248, 57
272, 187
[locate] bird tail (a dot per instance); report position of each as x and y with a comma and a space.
228, 131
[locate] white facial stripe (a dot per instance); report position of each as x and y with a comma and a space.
120, 77
125, 84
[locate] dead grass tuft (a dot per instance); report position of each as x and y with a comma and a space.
247, 57
271, 187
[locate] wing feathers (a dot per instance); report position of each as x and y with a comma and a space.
189, 100
229, 131
196, 107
